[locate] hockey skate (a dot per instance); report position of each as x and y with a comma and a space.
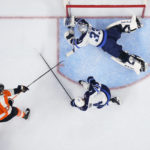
27, 112
134, 62
115, 100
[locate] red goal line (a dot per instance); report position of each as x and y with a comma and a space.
106, 6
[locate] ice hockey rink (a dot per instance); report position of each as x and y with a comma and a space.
30, 27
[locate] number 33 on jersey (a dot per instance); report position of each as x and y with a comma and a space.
92, 36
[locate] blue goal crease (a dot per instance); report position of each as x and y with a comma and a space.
92, 61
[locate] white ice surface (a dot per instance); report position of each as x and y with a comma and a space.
54, 124
54, 7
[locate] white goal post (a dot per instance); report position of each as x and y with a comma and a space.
106, 8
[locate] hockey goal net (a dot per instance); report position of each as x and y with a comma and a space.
106, 8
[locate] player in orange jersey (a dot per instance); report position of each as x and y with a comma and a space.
7, 110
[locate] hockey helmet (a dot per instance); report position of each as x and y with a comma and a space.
1, 87
79, 102
82, 27
90, 79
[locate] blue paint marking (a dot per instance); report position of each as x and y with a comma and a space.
93, 61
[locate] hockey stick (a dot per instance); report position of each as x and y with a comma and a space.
39, 77
67, 2
44, 73
71, 52
56, 77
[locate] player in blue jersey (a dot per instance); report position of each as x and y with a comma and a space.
97, 95
106, 40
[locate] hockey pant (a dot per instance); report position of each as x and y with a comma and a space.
111, 46
15, 112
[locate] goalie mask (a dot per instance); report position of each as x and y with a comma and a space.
82, 27
79, 102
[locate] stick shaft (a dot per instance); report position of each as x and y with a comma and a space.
44, 74
39, 77
56, 77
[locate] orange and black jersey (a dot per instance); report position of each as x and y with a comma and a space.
5, 108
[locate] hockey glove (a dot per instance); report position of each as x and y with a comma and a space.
24, 88
20, 88
72, 103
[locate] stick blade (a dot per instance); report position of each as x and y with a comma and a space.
69, 53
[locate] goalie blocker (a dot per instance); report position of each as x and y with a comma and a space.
106, 40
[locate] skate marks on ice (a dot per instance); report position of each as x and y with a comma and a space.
93, 61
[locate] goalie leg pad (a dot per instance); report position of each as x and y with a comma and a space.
134, 63
127, 25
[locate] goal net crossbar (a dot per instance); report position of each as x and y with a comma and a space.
142, 7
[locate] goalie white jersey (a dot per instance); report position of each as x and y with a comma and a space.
92, 36
98, 97
89, 35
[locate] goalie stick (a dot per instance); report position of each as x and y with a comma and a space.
67, 2
71, 52
56, 77
44, 73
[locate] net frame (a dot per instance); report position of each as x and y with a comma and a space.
69, 6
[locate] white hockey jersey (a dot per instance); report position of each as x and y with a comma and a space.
92, 36
98, 97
